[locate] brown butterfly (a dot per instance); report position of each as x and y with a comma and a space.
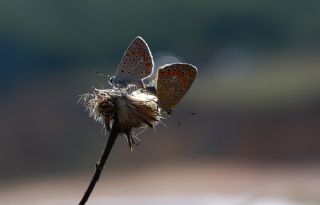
173, 82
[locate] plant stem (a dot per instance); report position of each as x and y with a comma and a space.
99, 166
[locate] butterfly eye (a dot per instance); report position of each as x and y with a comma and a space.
122, 71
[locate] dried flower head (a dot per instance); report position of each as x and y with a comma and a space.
134, 110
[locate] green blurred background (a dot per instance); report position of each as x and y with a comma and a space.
255, 138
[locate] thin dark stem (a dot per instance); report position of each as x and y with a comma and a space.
99, 166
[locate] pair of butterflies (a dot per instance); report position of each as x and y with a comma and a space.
171, 82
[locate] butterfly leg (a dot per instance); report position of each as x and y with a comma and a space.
139, 84
130, 140
107, 124
151, 89
136, 141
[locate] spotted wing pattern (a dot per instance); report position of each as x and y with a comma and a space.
136, 64
173, 82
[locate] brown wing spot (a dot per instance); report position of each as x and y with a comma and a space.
171, 99
178, 94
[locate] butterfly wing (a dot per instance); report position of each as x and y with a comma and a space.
136, 64
173, 82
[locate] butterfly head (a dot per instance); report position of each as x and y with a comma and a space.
111, 80
152, 89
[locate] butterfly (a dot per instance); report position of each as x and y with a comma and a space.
172, 82
135, 65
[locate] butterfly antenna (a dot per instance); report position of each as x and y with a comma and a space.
187, 112
176, 118
103, 74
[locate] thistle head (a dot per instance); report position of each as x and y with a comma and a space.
134, 110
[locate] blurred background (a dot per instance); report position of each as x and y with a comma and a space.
255, 138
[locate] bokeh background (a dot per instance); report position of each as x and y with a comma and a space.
255, 138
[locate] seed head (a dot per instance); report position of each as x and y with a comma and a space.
134, 110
